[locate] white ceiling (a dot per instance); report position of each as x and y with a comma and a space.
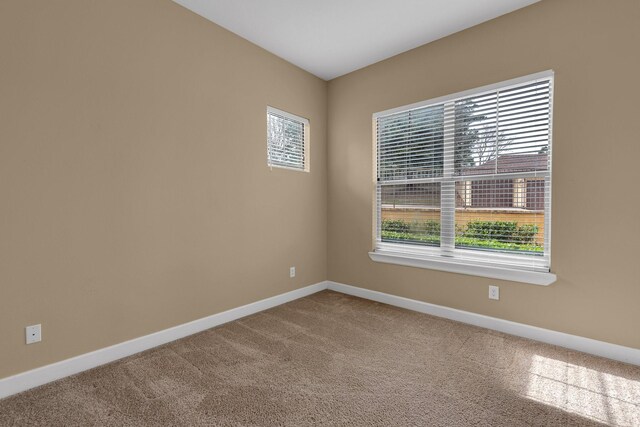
330, 38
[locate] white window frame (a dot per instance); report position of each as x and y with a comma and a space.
447, 257
306, 132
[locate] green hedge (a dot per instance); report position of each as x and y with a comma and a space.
429, 227
500, 235
501, 231
395, 225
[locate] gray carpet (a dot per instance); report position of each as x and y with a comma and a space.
333, 359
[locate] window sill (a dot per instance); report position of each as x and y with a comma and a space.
452, 266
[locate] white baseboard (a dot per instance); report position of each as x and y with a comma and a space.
573, 342
55, 371
40, 376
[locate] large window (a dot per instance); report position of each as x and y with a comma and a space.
287, 140
465, 181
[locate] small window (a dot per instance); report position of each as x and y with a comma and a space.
466, 179
287, 140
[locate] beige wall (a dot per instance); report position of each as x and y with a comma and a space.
592, 46
132, 170
133, 166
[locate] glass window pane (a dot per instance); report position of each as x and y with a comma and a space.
411, 144
285, 141
410, 213
503, 214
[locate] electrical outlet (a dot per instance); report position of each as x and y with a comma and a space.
494, 292
33, 333
292, 272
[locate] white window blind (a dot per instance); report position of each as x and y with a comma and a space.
287, 140
468, 176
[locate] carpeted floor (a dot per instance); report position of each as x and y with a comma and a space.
333, 359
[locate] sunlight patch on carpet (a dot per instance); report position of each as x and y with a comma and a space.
587, 392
